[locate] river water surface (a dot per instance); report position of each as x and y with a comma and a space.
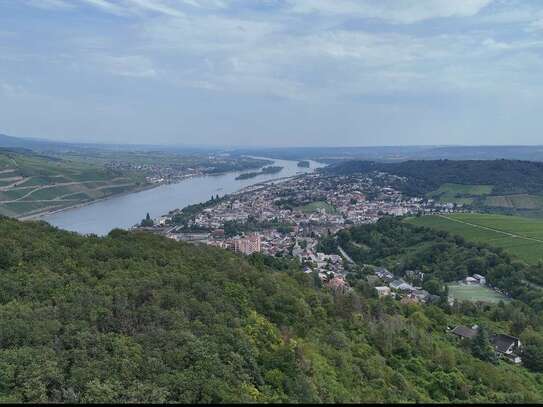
125, 211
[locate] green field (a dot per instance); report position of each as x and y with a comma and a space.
32, 183
521, 201
315, 206
519, 236
458, 193
462, 292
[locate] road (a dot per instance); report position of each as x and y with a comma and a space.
344, 254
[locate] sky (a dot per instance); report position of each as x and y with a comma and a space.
273, 72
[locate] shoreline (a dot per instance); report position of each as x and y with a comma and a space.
38, 215
41, 214
50, 212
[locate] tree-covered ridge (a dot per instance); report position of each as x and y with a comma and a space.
506, 176
135, 317
441, 256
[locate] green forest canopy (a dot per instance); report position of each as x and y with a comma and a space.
506, 176
134, 317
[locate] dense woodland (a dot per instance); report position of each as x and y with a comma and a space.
135, 317
507, 176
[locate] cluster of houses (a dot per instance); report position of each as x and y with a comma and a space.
326, 265
506, 346
399, 288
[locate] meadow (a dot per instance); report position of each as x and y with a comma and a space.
463, 292
519, 236
315, 206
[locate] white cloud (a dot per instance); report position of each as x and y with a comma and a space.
106, 6
135, 66
50, 4
172, 8
404, 11
205, 44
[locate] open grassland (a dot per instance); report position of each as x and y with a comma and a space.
316, 206
31, 183
463, 292
519, 236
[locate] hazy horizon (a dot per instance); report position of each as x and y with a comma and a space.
277, 73
240, 146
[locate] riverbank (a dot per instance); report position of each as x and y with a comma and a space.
49, 212
123, 211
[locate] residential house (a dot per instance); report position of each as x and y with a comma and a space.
464, 332
401, 285
421, 295
471, 281
383, 291
480, 279
409, 300
384, 274
414, 275
507, 346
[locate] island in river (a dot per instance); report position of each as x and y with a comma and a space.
266, 170
34, 183
124, 211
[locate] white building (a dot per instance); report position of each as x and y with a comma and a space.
248, 245
471, 281
481, 279
383, 291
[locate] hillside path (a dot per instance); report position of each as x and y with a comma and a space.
344, 254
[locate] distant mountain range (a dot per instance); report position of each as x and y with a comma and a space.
26, 143
325, 154
401, 153
44, 145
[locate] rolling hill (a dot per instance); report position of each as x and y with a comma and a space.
31, 183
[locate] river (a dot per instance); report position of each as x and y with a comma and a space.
125, 211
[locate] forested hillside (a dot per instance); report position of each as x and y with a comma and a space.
134, 317
506, 176
503, 185
443, 257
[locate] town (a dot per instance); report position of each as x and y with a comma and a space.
161, 168
289, 217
